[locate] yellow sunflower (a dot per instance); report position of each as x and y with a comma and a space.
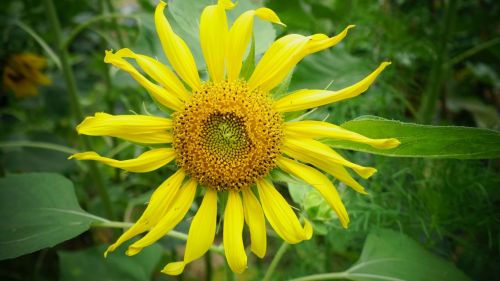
227, 134
23, 75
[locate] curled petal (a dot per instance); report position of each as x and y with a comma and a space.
182, 202
320, 182
146, 162
285, 53
158, 205
280, 215
278, 61
334, 169
239, 38
320, 150
305, 99
158, 71
319, 129
157, 92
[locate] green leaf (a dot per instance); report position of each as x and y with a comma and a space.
423, 140
90, 264
38, 210
392, 256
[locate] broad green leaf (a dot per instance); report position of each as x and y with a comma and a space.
392, 256
38, 210
90, 264
423, 140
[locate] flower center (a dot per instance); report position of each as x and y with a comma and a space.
227, 136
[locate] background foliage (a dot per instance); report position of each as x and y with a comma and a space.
442, 213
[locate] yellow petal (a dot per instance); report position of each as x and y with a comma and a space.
176, 50
180, 206
319, 150
254, 217
319, 129
201, 234
213, 37
268, 15
239, 38
158, 93
304, 99
320, 41
202, 231
158, 71
320, 182
285, 53
136, 128
146, 162
278, 61
227, 4
280, 215
160, 201
174, 268
233, 233
334, 169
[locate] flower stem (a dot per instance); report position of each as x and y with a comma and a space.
70, 81
114, 22
439, 69
270, 270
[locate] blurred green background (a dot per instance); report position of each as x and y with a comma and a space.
445, 57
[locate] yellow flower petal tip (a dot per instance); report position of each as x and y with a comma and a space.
268, 15
227, 4
366, 172
391, 143
174, 268
384, 65
132, 251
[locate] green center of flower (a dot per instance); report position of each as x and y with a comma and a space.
227, 136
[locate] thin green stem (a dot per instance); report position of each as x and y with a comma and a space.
270, 270
324, 276
43, 145
439, 69
174, 234
114, 23
208, 266
474, 50
69, 78
89, 22
41, 42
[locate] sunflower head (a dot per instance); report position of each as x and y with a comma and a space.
23, 74
226, 134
